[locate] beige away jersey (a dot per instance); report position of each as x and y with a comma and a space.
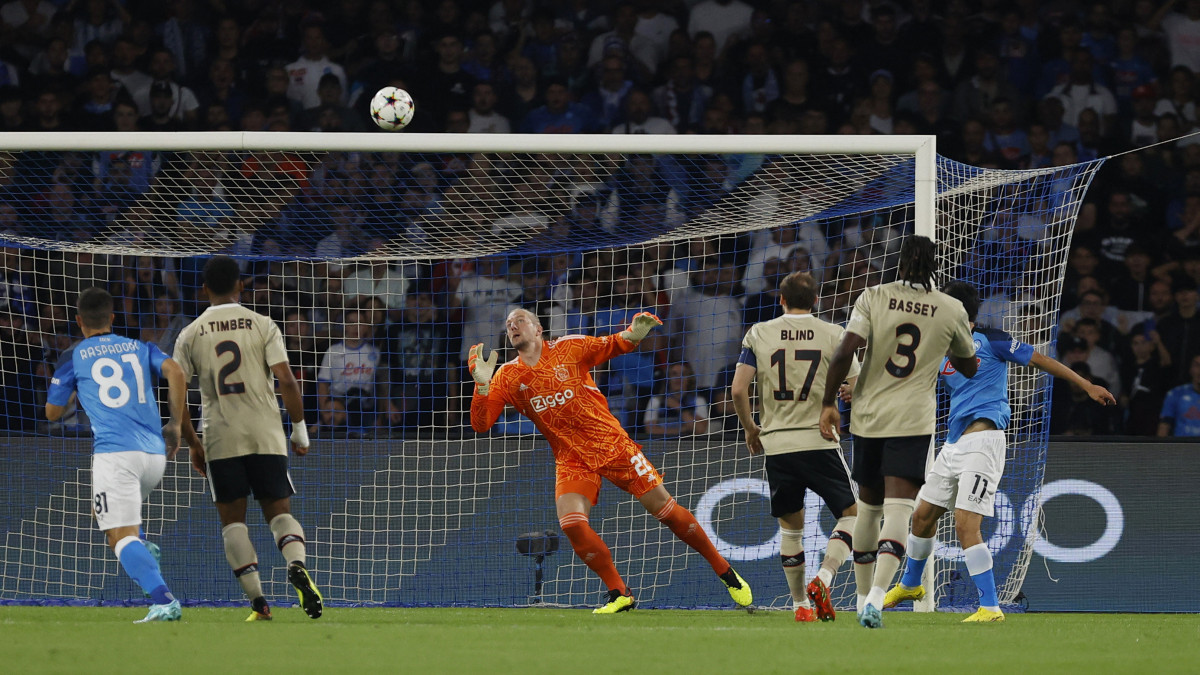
231, 349
791, 356
908, 332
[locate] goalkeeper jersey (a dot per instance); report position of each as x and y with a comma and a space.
561, 398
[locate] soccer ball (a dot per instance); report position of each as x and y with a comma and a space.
392, 108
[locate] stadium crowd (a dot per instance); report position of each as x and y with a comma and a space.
1019, 84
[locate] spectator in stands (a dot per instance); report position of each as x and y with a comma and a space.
351, 390
1102, 362
523, 94
677, 409
126, 54
637, 51
1180, 329
223, 89
606, 101
723, 19
683, 100
485, 293
559, 115
164, 322
1180, 99
206, 204
447, 86
163, 110
975, 97
48, 113
638, 118
576, 316
100, 20
483, 115
1182, 29
184, 105
421, 361
1180, 415
1147, 374
759, 85
630, 376
20, 356
708, 316
1131, 288
305, 73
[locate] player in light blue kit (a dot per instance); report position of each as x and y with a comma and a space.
968, 468
113, 377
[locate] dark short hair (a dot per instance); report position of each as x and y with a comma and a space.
221, 274
799, 290
95, 308
966, 294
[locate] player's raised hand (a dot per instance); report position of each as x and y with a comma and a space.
299, 438
831, 419
481, 368
754, 439
1101, 395
640, 327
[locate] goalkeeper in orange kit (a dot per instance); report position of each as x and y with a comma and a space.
550, 383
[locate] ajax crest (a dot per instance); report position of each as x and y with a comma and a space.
561, 373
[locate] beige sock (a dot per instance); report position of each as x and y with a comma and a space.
289, 537
242, 558
791, 554
897, 520
866, 545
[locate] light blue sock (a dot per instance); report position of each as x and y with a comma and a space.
919, 550
979, 566
912, 572
140, 566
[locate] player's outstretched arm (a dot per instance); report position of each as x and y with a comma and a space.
176, 405
1058, 369
486, 405
293, 400
839, 367
740, 390
640, 327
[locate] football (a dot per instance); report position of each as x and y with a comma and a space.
392, 108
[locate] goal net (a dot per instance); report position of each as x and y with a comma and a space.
384, 257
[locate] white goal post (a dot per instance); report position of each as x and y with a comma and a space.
1005, 231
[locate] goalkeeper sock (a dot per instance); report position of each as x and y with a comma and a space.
838, 548
688, 530
897, 515
791, 555
979, 566
919, 549
289, 537
865, 543
242, 558
591, 549
140, 566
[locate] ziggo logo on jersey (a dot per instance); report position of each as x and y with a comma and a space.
541, 403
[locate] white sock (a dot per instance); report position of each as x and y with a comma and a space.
875, 597
860, 602
825, 576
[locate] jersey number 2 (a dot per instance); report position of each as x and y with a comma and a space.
908, 351
779, 359
223, 385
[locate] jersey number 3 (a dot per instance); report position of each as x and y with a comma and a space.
908, 351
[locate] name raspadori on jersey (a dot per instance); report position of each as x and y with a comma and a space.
922, 308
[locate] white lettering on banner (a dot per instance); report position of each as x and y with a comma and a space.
1114, 517
1006, 513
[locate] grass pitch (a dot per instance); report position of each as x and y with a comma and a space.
103, 640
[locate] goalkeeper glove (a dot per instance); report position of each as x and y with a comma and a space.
640, 327
481, 368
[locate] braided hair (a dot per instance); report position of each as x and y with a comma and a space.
918, 261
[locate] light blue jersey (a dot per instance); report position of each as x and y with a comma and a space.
115, 379
984, 396
1181, 408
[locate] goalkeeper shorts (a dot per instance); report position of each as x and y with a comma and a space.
629, 470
